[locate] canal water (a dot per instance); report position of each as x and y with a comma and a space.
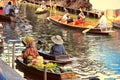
94, 55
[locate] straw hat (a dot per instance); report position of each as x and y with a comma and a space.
57, 39
28, 39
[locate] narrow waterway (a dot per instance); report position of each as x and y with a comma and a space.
102, 50
96, 55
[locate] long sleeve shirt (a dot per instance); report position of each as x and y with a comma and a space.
57, 50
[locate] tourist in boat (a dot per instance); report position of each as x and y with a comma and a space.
2, 76
80, 18
7, 8
58, 47
103, 22
31, 49
67, 18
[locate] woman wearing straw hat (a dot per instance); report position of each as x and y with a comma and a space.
58, 47
31, 49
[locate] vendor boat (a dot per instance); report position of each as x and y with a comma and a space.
38, 74
41, 11
61, 59
84, 27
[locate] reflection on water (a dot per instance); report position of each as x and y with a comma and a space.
103, 49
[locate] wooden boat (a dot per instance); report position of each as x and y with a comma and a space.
41, 11
4, 18
61, 59
85, 27
38, 74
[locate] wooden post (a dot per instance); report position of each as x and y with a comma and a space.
13, 55
24, 8
45, 73
8, 54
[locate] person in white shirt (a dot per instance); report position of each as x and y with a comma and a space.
43, 5
103, 22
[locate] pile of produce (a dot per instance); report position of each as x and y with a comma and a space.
38, 63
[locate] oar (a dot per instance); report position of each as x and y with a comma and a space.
86, 30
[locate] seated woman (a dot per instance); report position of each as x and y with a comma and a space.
67, 18
80, 19
31, 49
58, 47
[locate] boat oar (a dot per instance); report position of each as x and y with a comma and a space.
86, 30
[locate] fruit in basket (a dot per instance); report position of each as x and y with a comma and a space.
40, 59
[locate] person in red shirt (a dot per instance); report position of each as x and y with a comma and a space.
80, 19
31, 49
1, 11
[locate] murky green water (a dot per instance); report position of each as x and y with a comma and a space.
103, 51
96, 55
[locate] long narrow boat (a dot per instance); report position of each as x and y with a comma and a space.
38, 74
61, 59
4, 18
85, 28
41, 11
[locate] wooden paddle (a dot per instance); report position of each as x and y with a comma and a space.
88, 29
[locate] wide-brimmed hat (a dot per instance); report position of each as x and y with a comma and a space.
57, 39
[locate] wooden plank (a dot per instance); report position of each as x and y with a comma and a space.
10, 73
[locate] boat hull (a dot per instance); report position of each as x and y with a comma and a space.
36, 74
41, 12
81, 27
62, 59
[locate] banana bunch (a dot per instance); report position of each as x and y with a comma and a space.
51, 65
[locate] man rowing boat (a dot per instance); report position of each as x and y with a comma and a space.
103, 22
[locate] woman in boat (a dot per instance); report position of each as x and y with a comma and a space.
80, 18
2, 76
31, 49
58, 47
